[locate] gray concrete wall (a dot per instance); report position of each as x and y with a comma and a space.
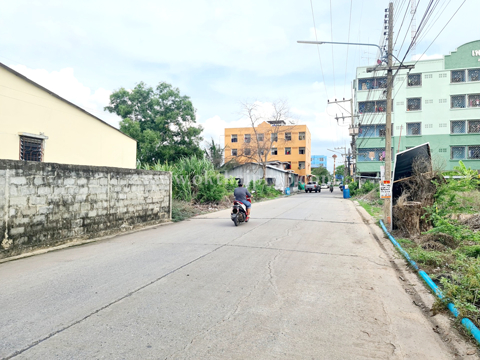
46, 204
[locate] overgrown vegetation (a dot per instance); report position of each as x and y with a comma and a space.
366, 188
196, 182
448, 245
447, 242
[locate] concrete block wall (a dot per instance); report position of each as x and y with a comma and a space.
46, 204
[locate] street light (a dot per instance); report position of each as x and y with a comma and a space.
340, 43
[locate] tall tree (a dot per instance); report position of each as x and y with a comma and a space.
214, 153
161, 120
259, 146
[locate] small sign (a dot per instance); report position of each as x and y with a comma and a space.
386, 189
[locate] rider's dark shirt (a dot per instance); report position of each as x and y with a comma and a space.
241, 193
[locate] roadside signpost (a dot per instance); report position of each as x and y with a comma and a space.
386, 189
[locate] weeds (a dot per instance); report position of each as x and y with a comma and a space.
450, 250
196, 180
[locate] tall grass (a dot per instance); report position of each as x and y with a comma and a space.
193, 178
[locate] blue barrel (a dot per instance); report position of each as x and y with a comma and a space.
287, 191
346, 193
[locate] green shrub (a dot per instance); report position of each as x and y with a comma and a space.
211, 188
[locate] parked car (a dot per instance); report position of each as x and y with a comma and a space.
312, 186
324, 186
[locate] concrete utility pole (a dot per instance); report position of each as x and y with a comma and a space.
334, 158
352, 125
388, 123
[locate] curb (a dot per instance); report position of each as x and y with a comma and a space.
467, 323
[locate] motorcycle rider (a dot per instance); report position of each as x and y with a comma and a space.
241, 194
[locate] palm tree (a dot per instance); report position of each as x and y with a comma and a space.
214, 153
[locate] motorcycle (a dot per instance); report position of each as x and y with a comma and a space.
239, 212
331, 188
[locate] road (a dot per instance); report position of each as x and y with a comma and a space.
304, 279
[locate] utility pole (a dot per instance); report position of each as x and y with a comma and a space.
344, 154
352, 130
334, 158
388, 123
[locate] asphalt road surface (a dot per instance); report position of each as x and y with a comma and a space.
304, 279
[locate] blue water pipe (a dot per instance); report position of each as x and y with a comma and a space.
467, 323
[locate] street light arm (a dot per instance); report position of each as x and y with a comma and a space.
341, 43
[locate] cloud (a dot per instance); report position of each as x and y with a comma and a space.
65, 84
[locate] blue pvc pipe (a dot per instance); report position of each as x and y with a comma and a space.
467, 323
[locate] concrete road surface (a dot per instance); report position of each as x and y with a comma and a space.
304, 279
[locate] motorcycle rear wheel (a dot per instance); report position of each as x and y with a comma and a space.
235, 220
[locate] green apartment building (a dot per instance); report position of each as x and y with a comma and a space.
436, 102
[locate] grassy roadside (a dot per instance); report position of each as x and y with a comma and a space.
449, 253
375, 209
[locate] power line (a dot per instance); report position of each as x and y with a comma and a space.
318, 50
346, 61
333, 61
435, 39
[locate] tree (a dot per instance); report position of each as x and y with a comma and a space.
214, 153
321, 173
161, 120
258, 148
340, 170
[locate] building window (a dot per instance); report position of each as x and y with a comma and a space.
460, 152
474, 152
301, 136
474, 100
458, 101
458, 76
474, 126
259, 137
301, 151
414, 128
372, 106
414, 80
234, 152
234, 138
271, 181
458, 127
371, 154
247, 152
274, 137
288, 166
31, 149
428, 76
288, 136
288, 151
261, 152
367, 131
248, 138
414, 104
301, 165
474, 75
442, 75
274, 151
372, 83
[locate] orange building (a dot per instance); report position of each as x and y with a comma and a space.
290, 144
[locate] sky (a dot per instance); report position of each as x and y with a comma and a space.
220, 53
